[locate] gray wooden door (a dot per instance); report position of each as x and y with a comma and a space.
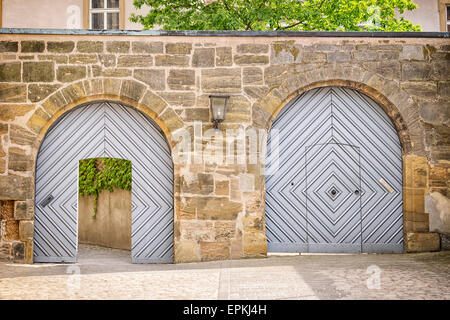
334, 176
104, 129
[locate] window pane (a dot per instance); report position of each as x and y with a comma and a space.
113, 20
448, 13
98, 4
98, 21
448, 28
113, 3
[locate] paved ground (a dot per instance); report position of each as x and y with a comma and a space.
108, 274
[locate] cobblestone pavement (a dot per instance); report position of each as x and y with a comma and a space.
107, 274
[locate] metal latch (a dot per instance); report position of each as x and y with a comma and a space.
46, 201
386, 185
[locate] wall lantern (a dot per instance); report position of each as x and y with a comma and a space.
218, 108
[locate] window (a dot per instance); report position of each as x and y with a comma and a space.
104, 14
448, 18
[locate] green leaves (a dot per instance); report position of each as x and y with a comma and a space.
306, 15
100, 174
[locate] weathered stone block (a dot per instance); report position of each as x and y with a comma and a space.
13, 92
172, 60
5, 251
186, 251
224, 230
224, 57
238, 110
203, 57
38, 92
9, 46
284, 52
6, 210
38, 71
23, 209
60, 46
26, 230
196, 230
156, 79
421, 89
416, 70
248, 60
135, 61
54, 103
21, 136
253, 76
314, 57
83, 58
59, 59
153, 102
214, 250
422, 242
171, 119
18, 251
148, 47
388, 69
253, 224
338, 57
255, 244
411, 52
178, 48
221, 80
10, 230
181, 79
196, 114
74, 93
118, 46
132, 89
252, 48
90, 46
211, 208
10, 72
32, 46
111, 86
184, 99
444, 89
222, 187
38, 120
19, 160
365, 55
70, 73
10, 112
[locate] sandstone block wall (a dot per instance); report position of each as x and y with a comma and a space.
219, 208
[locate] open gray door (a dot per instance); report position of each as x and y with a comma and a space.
111, 130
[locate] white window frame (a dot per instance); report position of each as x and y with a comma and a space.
105, 12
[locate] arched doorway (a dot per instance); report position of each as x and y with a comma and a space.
112, 130
334, 182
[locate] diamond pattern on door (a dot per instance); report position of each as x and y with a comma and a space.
332, 140
104, 129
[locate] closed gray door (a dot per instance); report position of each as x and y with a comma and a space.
334, 176
111, 130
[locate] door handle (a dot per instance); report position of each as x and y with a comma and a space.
46, 201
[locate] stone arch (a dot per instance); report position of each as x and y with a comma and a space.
128, 92
397, 104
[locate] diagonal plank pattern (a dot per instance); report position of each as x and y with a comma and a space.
111, 130
326, 153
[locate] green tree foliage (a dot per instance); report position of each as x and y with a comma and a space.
100, 174
306, 15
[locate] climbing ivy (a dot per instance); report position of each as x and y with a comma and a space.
100, 174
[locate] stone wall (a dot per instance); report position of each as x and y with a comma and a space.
219, 208
111, 226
